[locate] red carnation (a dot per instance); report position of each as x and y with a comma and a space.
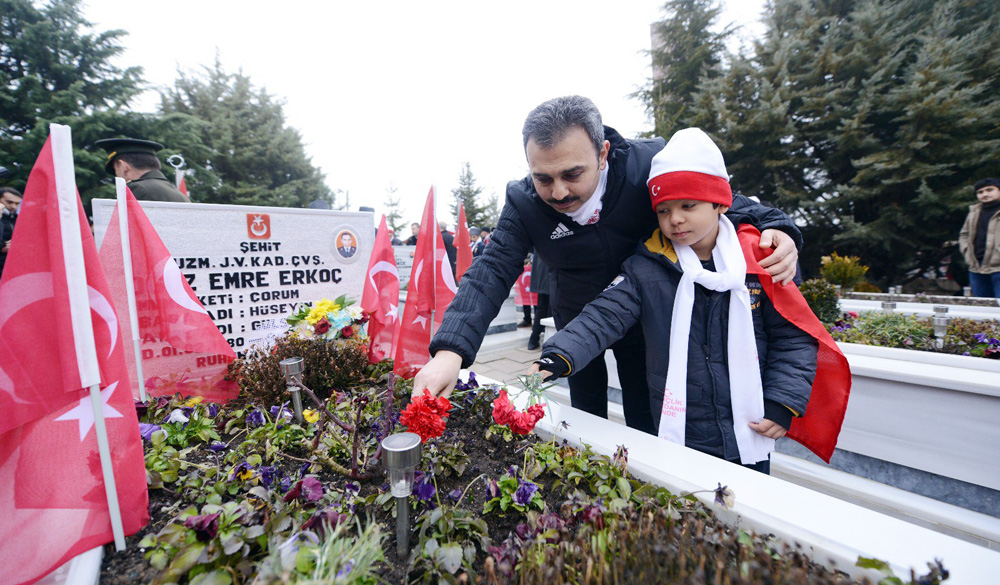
321, 326
425, 415
519, 422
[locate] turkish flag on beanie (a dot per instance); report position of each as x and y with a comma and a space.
380, 298
431, 288
183, 349
522, 291
463, 245
819, 428
52, 494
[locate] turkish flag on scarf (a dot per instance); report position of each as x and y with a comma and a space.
184, 350
380, 299
52, 495
463, 245
522, 293
820, 427
431, 288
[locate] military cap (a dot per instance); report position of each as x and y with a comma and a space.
116, 146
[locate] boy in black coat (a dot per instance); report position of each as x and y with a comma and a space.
726, 372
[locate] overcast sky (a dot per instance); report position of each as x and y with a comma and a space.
404, 93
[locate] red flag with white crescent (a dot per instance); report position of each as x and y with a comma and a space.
430, 290
182, 185
380, 299
183, 349
463, 245
522, 293
52, 497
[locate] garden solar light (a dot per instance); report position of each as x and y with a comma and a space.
888, 306
291, 369
941, 320
402, 454
967, 291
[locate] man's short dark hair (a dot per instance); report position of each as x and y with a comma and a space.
548, 123
140, 160
11, 190
989, 181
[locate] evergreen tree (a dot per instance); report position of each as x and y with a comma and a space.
685, 50
252, 156
55, 68
467, 193
393, 211
491, 212
867, 120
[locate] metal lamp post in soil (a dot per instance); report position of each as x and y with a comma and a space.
291, 369
940, 320
401, 453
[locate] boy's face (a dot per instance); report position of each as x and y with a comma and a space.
690, 222
988, 194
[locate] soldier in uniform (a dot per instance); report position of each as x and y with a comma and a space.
135, 161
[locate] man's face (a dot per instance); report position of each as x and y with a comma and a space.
414, 229
10, 201
345, 240
988, 194
567, 174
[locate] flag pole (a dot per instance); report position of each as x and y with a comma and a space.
82, 327
434, 264
129, 282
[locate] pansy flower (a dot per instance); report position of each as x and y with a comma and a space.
425, 415
308, 489
724, 496
177, 415
213, 410
423, 486
147, 430
255, 418
311, 415
243, 471
525, 492
327, 517
205, 527
281, 412
217, 446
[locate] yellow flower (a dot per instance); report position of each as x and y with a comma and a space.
320, 310
310, 415
194, 400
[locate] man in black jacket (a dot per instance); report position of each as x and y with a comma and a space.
584, 207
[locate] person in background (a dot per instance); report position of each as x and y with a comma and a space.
414, 230
979, 239
486, 232
540, 286
135, 161
475, 241
449, 244
10, 200
583, 207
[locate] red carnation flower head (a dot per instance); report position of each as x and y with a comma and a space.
321, 326
425, 415
517, 421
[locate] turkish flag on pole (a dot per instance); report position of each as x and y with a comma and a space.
182, 184
185, 352
819, 428
58, 336
380, 299
463, 245
431, 289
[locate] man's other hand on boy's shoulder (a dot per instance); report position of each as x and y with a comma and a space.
781, 264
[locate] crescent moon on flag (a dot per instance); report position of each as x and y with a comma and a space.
102, 307
382, 266
417, 270
18, 293
446, 275
525, 275
173, 281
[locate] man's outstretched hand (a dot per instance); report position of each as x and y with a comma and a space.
439, 375
781, 264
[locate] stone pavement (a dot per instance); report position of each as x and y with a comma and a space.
505, 356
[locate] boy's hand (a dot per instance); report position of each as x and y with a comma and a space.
553, 365
781, 264
769, 429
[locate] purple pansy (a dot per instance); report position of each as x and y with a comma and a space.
525, 492
255, 418
217, 446
147, 430
281, 412
213, 410
206, 526
492, 488
423, 486
454, 495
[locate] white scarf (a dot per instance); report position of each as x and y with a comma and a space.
744, 371
590, 211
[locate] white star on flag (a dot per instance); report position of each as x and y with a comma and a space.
420, 320
84, 412
393, 312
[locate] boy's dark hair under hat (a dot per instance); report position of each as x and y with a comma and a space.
118, 146
989, 181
